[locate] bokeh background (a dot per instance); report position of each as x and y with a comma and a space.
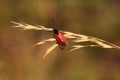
21, 60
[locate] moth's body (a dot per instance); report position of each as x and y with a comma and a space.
60, 38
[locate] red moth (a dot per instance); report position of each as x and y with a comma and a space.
60, 38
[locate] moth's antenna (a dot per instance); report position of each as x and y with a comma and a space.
53, 22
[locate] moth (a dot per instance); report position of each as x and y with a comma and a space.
60, 38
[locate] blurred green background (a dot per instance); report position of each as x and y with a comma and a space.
20, 60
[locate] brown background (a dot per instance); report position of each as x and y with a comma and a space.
20, 60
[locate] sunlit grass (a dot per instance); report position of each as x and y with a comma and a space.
76, 38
